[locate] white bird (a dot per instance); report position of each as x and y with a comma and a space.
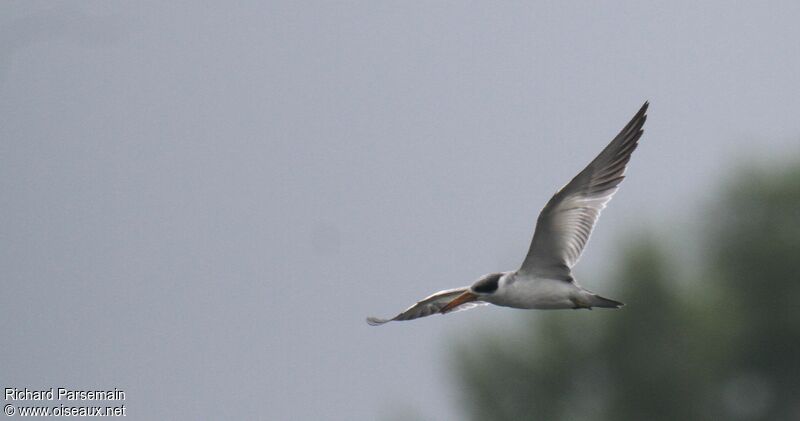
545, 279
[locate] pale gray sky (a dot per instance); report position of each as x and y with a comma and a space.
201, 201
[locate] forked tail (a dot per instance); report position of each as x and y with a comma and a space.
602, 302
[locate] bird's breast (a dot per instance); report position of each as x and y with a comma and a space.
537, 293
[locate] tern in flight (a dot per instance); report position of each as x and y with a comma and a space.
545, 279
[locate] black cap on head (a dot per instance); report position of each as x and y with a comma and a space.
488, 284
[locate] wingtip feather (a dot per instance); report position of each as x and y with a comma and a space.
374, 321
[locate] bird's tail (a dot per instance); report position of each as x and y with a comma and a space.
602, 302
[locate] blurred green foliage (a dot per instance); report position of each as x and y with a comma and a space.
723, 344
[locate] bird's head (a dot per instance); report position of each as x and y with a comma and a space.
481, 290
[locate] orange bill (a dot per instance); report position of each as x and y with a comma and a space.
461, 299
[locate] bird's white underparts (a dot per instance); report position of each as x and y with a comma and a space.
563, 228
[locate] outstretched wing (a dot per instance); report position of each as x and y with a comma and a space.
566, 222
430, 305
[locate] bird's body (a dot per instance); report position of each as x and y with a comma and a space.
517, 291
540, 293
563, 228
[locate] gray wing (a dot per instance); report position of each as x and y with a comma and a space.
430, 305
566, 222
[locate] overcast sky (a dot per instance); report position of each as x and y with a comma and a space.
201, 201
